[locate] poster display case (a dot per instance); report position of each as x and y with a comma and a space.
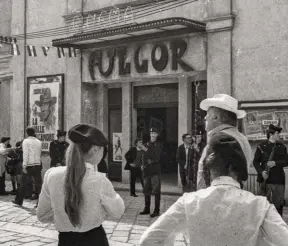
261, 114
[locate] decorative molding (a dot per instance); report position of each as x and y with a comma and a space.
220, 24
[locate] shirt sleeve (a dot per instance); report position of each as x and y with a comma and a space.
111, 201
257, 160
25, 153
167, 226
274, 229
45, 212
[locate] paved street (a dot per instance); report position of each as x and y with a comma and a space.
19, 226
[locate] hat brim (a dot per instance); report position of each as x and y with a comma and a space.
214, 102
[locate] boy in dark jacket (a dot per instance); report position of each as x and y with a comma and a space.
134, 158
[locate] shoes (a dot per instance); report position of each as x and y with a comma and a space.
134, 195
145, 211
16, 204
5, 193
13, 192
155, 214
34, 198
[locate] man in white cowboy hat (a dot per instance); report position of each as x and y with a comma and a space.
47, 108
222, 115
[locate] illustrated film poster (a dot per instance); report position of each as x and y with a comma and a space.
257, 122
45, 104
117, 148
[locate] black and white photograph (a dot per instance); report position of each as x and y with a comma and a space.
144, 123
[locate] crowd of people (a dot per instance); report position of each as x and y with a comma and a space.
214, 209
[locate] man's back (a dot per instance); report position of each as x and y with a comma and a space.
31, 151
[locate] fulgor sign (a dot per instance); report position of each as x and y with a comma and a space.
176, 49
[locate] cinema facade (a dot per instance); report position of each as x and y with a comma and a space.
154, 71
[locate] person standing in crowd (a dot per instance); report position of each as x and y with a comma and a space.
222, 214
4, 151
32, 166
14, 166
102, 166
222, 115
269, 160
134, 158
57, 149
88, 195
187, 167
152, 173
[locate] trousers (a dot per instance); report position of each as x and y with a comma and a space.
94, 237
35, 172
152, 185
275, 195
135, 173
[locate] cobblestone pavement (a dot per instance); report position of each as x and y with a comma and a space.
19, 226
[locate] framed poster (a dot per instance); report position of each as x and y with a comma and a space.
117, 147
261, 114
45, 106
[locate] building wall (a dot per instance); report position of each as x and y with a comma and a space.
260, 49
5, 69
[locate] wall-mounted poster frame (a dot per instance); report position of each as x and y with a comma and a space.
45, 101
260, 114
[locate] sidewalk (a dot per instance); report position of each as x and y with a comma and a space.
19, 226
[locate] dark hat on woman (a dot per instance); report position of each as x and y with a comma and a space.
84, 133
61, 133
4, 139
231, 152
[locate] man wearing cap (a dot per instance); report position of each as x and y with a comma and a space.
269, 160
151, 172
222, 115
57, 149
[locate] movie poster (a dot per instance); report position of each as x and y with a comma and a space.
117, 147
45, 97
257, 122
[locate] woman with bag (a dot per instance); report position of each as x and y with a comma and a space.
76, 197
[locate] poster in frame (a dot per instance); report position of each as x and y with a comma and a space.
117, 147
45, 106
260, 114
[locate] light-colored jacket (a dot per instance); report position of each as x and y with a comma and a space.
31, 152
233, 132
3, 158
219, 215
99, 200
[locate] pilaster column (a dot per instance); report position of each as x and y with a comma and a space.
126, 125
184, 111
102, 108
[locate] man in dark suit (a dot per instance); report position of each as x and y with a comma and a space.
57, 149
134, 158
187, 167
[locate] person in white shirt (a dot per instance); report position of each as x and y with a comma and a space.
31, 167
76, 197
221, 214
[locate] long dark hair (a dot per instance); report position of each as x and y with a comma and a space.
75, 172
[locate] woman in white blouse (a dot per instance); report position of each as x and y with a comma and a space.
221, 214
76, 197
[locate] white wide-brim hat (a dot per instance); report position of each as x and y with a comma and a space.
223, 101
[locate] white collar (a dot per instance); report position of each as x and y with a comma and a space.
225, 180
91, 166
